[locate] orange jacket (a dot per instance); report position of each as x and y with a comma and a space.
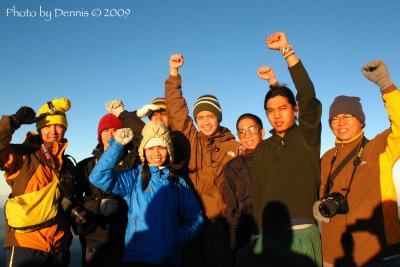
25, 173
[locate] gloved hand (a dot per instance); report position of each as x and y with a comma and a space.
108, 207
377, 72
24, 115
115, 107
317, 214
146, 110
123, 136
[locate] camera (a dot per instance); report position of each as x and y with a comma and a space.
72, 199
333, 204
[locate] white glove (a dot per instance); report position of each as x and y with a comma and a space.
123, 136
317, 214
115, 107
146, 110
108, 207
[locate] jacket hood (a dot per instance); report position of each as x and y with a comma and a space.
156, 129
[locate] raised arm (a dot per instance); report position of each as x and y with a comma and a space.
177, 109
279, 41
8, 125
377, 72
102, 175
266, 73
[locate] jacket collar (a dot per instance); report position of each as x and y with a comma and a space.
163, 171
355, 140
287, 133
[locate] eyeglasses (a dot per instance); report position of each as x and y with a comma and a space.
346, 118
251, 130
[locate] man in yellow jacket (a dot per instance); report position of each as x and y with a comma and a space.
36, 238
358, 206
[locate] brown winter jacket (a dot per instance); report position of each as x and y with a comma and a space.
24, 170
208, 154
373, 219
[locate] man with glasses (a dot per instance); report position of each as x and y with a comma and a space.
237, 182
286, 165
358, 204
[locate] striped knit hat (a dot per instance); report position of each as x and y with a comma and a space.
209, 103
159, 101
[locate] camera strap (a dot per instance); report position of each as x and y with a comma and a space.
357, 153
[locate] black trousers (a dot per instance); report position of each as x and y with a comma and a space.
142, 264
210, 248
103, 257
28, 257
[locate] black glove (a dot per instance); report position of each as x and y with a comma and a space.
24, 115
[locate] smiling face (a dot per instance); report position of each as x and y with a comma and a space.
249, 133
52, 132
207, 122
281, 114
345, 126
156, 155
160, 116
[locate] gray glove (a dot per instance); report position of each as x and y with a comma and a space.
123, 136
377, 72
317, 214
108, 206
146, 110
115, 107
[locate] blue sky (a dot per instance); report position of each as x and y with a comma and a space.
92, 60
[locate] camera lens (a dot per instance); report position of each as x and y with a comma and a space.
328, 208
80, 215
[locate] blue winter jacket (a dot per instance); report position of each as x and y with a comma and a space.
161, 219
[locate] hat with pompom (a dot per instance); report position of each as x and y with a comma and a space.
53, 112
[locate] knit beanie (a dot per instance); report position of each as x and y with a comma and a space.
347, 105
108, 121
209, 103
53, 112
155, 133
160, 101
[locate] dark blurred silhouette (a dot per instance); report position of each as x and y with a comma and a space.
277, 238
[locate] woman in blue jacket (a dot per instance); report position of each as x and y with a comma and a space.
163, 213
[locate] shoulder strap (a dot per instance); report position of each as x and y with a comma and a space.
357, 153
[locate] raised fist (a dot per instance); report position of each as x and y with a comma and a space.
146, 110
277, 41
115, 107
24, 115
266, 73
377, 72
123, 136
176, 61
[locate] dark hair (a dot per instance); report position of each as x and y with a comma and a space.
255, 118
281, 90
146, 175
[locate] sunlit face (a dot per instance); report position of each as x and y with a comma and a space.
105, 135
160, 116
156, 155
249, 133
345, 126
281, 114
207, 122
52, 132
